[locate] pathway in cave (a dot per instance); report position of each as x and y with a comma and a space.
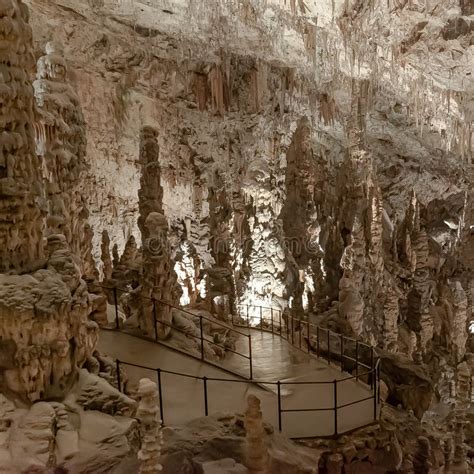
274, 359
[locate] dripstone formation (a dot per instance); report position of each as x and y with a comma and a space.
23, 204
312, 157
47, 328
158, 278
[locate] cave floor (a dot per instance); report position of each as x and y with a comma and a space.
273, 359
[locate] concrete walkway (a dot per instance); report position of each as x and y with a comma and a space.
273, 359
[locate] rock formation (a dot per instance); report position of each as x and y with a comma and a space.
256, 449
47, 314
148, 415
315, 157
158, 278
23, 206
61, 144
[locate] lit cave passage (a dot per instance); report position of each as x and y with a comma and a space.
236, 236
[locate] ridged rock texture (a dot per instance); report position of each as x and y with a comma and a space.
148, 414
61, 143
22, 204
47, 314
158, 280
315, 156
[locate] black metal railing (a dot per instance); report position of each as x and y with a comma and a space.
116, 293
350, 354
277, 399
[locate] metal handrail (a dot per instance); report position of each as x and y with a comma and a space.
201, 337
373, 371
171, 305
290, 329
336, 406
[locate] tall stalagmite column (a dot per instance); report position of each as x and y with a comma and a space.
46, 331
158, 279
61, 141
150, 432
256, 451
22, 205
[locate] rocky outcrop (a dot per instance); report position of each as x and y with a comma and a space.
45, 326
223, 436
408, 384
67, 436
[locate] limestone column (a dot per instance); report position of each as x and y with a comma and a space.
61, 143
158, 279
256, 454
150, 424
22, 203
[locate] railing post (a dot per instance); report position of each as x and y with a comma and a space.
357, 360
248, 319
307, 336
117, 323
279, 321
271, 314
300, 332
279, 405
317, 341
206, 411
202, 337
342, 353
119, 382
329, 347
250, 356
335, 407
154, 319
261, 319
160, 396
375, 393
292, 331
378, 378
372, 367
288, 328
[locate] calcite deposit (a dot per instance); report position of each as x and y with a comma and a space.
313, 157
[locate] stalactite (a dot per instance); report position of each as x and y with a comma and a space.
200, 90
218, 90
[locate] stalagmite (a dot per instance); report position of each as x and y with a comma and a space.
105, 256
150, 431
256, 450
158, 281
63, 150
307, 158
22, 204
461, 407
421, 461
